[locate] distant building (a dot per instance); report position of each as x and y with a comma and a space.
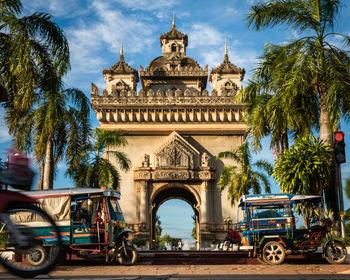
175, 128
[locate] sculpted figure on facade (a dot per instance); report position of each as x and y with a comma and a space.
145, 161
205, 160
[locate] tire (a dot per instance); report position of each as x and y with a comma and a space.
273, 253
130, 258
37, 255
42, 248
335, 252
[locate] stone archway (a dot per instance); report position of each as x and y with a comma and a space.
175, 169
174, 191
174, 129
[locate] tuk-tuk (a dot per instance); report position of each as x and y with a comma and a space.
91, 223
269, 229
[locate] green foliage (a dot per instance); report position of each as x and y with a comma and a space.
158, 228
305, 168
310, 76
347, 188
3, 238
88, 167
167, 239
28, 47
241, 178
56, 126
34, 56
347, 227
139, 242
194, 229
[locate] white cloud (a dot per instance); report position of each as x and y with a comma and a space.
202, 34
91, 41
147, 5
242, 58
212, 58
251, 2
57, 8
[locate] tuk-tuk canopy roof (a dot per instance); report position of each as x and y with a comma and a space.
281, 198
72, 192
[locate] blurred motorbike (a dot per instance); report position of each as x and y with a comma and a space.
25, 249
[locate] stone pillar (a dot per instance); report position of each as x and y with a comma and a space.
141, 178
205, 202
143, 202
206, 176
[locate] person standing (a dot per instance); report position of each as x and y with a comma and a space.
179, 245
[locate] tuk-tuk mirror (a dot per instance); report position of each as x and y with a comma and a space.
89, 205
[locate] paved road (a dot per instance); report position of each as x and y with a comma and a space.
203, 269
203, 272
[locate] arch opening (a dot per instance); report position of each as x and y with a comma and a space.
173, 193
177, 221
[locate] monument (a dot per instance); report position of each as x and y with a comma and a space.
175, 128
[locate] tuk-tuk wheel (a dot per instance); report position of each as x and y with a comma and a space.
335, 252
127, 257
273, 253
37, 255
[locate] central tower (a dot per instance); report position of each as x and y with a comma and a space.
175, 128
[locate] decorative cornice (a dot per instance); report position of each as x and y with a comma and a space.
166, 107
174, 175
162, 97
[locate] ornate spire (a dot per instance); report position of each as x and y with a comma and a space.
173, 20
121, 57
226, 52
174, 34
227, 67
121, 67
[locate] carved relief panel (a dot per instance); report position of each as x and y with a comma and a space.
176, 153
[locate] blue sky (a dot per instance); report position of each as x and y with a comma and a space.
95, 29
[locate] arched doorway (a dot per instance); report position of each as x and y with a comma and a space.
174, 191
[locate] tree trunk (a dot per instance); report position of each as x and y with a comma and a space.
325, 128
284, 142
48, 166
331, 191
40, 183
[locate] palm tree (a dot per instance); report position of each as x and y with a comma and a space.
271, 112
91, 167
57, 125
310, 68
28, 45
304, 169
241, 178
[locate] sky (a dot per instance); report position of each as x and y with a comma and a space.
95, 29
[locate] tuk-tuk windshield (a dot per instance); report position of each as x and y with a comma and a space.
115, 210
274, 211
